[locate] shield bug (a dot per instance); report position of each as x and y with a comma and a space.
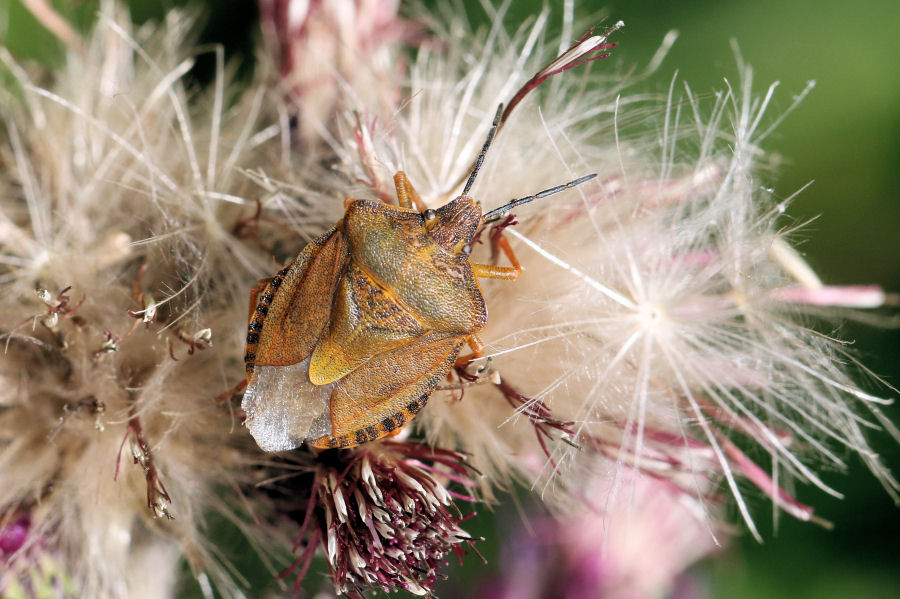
347, 342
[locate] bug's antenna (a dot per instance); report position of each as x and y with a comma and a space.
487, 144
496, 212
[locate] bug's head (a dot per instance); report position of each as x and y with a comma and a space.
453, 225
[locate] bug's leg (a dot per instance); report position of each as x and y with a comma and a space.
477, 351
249, 351
490, 271
226, 395
255, 321
406, 193
254, 295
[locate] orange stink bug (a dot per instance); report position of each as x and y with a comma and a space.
347, 342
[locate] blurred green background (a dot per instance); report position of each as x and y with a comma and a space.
845, 136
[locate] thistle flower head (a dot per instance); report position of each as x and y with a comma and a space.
29, 567
380, 512
13, 535
117, 202
328, 50
659, 314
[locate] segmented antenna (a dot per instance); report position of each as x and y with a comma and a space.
487, 144
496, 212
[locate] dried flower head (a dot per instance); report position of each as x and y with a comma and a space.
118, 195
380, 512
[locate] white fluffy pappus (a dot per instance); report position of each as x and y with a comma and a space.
128, 191
661, 317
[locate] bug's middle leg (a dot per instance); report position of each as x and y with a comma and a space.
254, 295
406, 193
255, 322
249, 351
477, 348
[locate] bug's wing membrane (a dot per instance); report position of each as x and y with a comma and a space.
282, 410
380, 396
301, 305
365, 321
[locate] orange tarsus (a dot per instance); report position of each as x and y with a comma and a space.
222, 397
395, 432
477, 351
509, 273
407, 195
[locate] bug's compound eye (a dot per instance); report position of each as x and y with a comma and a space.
466, 249
430, 217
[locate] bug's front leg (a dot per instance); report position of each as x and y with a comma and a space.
490, 271
407, 194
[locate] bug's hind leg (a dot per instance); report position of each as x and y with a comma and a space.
226, 395
407, 194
